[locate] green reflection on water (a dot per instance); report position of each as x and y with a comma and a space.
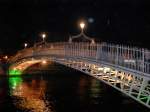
30, 94
14, 82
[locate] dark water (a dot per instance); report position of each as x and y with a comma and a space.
62, 90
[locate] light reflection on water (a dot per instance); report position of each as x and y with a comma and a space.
29, 95
62, 89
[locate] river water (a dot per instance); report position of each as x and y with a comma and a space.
62, 89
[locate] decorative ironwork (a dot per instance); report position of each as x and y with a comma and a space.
81, 35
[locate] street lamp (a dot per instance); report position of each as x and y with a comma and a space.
43, 36
82, 25
6, 57
25, 45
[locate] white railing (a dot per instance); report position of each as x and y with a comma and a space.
129, 57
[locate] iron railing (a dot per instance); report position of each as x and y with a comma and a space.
125, 56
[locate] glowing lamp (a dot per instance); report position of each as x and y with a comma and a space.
82, 25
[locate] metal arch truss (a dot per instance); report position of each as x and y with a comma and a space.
136, 87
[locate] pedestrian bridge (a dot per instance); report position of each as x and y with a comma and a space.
125, 68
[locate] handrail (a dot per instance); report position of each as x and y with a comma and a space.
125, 56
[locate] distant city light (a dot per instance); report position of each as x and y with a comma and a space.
44, 62
6, 57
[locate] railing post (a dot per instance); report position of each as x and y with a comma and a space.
65, 48
143, 59
117, 54
98, 51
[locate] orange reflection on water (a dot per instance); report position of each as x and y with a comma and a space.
30, 95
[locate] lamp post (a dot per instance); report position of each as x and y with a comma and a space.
25, 45
82, 26
43, 36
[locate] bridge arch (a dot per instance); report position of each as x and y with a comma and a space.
19, 67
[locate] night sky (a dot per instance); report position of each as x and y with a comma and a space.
119, 21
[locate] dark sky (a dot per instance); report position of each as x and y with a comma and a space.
119, 21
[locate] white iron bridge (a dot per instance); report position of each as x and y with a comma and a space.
125, 68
